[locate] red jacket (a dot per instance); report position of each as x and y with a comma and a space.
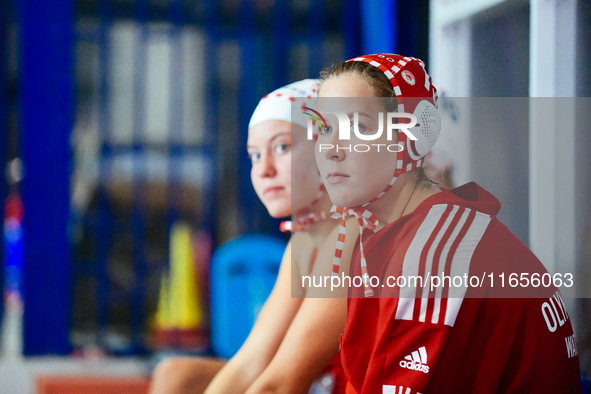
456, 340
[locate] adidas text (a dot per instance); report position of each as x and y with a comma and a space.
415, 366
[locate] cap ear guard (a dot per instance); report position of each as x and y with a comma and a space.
426, 131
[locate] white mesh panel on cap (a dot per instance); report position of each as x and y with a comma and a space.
427, 130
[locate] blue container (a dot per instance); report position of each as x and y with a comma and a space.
243, 273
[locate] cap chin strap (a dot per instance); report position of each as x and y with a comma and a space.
366, 220
305, 216
302, 219
285, 226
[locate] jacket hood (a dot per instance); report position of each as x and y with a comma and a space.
477, 197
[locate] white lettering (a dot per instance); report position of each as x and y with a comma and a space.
360, 281
345, 126
404, 127
560, 321
332, 284
546, 307
310, 130
571, 346
414, 366
399, 280
349, 279
366, 137
356, 150
314, 281
560, 303
304, 281
400, 148
371, 281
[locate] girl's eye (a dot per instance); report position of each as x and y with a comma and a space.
254, 157
282, 148
361, 127
326, 130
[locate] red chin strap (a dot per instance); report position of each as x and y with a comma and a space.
365, 219
411, 84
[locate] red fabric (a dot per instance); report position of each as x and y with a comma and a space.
336, 369
411, 84
349, 389
456, 345
406, 73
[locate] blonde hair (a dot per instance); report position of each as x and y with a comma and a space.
373, 76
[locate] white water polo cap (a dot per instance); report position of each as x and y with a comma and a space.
277, 104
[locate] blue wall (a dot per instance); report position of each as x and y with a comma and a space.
45, 122
379, 26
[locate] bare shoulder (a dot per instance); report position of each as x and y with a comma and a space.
302, 251
320, 283
301, 254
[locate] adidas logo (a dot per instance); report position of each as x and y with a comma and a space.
416, 361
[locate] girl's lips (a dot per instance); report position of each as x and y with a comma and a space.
336, 177
271, 191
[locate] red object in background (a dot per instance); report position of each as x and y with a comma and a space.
194, 340
91, 385
203, 245
13, 208
13, 245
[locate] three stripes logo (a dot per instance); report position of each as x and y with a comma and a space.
416, 361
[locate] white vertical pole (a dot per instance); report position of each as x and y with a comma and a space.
450, 58
552, 133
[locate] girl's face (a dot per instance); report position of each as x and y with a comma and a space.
272, 146
353, 177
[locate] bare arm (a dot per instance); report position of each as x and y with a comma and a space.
264, 338
182, 375
310, 344
313, 337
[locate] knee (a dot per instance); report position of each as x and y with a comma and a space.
172, 376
